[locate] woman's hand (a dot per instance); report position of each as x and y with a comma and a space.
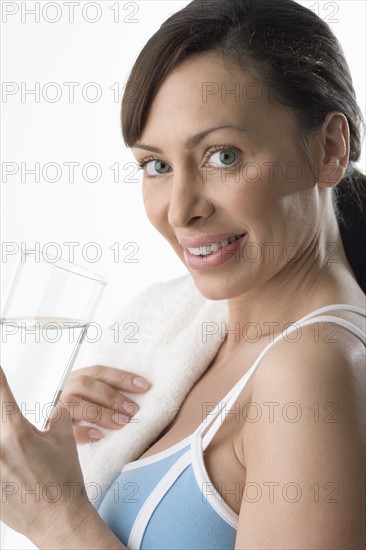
43, 493
94, 394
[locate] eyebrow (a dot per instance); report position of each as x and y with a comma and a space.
191, 141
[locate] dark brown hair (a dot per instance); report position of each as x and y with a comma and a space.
294, 53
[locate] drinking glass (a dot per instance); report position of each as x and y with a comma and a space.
45, 319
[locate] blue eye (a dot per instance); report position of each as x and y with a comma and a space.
226, 157
159, 165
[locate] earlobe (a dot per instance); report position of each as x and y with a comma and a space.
335, 148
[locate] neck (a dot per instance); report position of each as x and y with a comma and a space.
319, 277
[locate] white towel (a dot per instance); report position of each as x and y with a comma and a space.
178, 333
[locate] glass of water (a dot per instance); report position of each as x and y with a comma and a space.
49, 307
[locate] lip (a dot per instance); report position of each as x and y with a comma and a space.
195, 242
203, 263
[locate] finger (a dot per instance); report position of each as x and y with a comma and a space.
86, 389
86, 434
120, 379
10, 412
96, 414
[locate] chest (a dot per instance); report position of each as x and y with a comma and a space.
224, 457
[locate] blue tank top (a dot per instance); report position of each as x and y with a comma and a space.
167, 501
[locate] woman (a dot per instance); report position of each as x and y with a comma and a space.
243, 117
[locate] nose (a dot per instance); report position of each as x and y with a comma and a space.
189, 201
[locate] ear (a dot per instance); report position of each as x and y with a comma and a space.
334, 149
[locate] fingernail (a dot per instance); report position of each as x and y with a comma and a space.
120, 418
130, 408
141, 383
95, 434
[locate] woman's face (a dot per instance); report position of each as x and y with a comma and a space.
250, 178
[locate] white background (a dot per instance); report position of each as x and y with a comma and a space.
104, 212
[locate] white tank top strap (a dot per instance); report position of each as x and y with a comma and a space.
217, 416
334, 307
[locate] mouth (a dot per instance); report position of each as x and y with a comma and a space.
213, 254
208, 249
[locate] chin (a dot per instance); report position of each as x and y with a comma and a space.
213, 287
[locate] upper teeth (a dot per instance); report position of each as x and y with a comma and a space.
210, 248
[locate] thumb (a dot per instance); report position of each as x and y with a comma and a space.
9, 406
5, 390
59, 419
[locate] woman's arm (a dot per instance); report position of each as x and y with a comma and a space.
43, 493
91, 534
305, 455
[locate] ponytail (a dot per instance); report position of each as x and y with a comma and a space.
349, 200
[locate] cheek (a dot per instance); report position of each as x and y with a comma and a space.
151, 206
156, 209
269, 206
254, 199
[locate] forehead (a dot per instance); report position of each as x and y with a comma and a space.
209, 90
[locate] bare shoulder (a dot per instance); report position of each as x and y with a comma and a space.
319, 360
305, 456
